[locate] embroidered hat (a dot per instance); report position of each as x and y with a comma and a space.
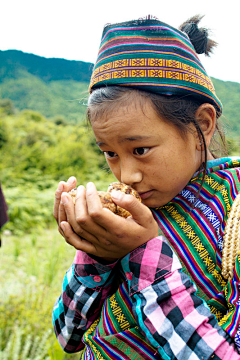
150, 55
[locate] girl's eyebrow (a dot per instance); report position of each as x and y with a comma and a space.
133, 138
125, 139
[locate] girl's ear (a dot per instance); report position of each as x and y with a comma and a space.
206, 119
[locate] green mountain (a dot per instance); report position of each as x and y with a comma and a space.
59, 88
229, 94
13, 61
53, 87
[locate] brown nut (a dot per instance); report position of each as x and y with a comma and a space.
106, 198
126, 189
106, 201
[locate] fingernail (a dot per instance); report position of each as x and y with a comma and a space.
90, 186
116, 194
79, 189
60, 187
63, 227
71, 180
64, 199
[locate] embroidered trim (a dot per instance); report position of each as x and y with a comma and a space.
150, 68
196, 242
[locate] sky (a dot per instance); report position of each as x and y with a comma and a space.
72, 29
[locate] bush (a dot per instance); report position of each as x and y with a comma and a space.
7, 106
22, 345
35, 157
28, 292
3, 133
29, 208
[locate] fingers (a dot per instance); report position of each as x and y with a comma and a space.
83, 245
101, 217
99, 226
58, 194
82, 219
78, 216
139, 211
62, 216
110, 222
62, 187
80, 203
93, 201
76, 241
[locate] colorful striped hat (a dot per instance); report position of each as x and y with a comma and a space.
150, 55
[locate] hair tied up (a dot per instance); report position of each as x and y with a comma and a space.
198, 36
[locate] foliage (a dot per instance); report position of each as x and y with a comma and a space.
3, 133
29, 208
7, 106
63, 97
229, 93
38, 262
35, 157
24, 346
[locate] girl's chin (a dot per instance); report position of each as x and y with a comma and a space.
153, 202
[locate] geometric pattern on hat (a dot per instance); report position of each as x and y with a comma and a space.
150, 55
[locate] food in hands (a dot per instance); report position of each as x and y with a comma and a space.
106, 198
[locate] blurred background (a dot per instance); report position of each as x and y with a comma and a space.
47, 51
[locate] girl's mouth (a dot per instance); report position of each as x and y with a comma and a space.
146, 195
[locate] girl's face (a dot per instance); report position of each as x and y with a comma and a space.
146, 152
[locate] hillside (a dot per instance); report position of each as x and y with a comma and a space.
13, 61
229, 93
65, 98
54, 87
59, 87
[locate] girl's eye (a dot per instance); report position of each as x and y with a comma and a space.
110, 154
141, 150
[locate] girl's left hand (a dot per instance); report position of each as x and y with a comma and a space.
97, 231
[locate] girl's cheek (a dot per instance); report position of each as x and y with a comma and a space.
115, 169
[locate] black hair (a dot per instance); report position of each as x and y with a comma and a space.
198, 36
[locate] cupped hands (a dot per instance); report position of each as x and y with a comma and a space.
96, 230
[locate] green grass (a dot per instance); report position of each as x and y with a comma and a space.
31, 272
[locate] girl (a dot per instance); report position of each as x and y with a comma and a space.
151, 286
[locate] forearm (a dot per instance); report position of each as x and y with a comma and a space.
173, 319
86, 285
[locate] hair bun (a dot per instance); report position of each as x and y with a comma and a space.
198, 36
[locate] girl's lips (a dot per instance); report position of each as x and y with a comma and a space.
146, 195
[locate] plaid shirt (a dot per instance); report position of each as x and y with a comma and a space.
174, 320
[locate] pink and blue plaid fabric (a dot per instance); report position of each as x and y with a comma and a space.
167, 311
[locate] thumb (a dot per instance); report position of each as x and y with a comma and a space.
131, 204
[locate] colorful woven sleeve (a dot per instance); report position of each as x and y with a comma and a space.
170, 315
230, 322
86, 285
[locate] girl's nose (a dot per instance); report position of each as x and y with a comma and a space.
130, 174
